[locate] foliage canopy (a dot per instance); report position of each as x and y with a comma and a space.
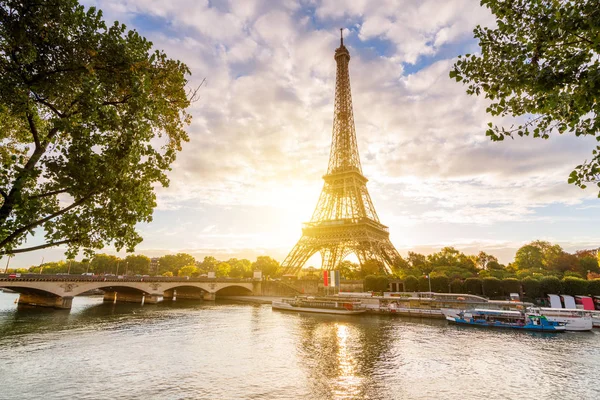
541, 62
90, 121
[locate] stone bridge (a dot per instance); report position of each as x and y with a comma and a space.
58, 291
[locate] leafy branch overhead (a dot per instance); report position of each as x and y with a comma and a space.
90, 120
542, 61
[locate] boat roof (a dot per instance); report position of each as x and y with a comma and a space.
488, 311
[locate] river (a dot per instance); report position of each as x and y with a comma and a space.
227, 350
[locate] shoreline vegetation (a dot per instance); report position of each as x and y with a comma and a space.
538, 267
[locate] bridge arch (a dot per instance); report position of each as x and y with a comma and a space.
109, 287
234, 290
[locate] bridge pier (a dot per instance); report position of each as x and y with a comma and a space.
110, 297
209, 296
125, 297
38, 300
151, 298
185, 293
168, 295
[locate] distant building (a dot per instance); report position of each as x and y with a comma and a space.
154, 264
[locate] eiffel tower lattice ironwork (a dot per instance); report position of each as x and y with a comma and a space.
344, 220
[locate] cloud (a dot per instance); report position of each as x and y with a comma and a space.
262, 126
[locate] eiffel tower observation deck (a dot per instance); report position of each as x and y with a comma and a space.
344, 220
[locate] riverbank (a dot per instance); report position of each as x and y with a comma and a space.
254, 299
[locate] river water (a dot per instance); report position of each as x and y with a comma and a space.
228, 350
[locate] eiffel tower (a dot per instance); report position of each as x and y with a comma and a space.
344, 220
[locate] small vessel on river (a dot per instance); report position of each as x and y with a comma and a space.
312, 305
574, 319
504, 319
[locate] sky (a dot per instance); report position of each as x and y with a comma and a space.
261, 131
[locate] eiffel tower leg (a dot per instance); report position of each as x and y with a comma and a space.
299, 255
375, 251
389, 253
332, 256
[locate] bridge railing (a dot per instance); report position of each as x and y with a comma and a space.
119, 278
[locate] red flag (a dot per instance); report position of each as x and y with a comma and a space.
325, 278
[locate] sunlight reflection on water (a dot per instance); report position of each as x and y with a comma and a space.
227, 350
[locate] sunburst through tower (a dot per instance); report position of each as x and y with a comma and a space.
344, 220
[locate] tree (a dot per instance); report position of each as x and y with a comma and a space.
400, 264
419, 261
376, 283
188, 270
222, 269
240, 268
104, 264
492, 287
532, 288
371, 267
423, 284
594, 287
550, 285
267, 265
174, 262
411, 284
348, 269
540, 60
208, 264
439, 283
473, 286
510, 285
574, 286
565, 262
484, 260
138, 264
529, 257
588, 261
457, 286
90, 121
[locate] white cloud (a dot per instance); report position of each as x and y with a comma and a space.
261, 128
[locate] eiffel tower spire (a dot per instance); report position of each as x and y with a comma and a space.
344, 220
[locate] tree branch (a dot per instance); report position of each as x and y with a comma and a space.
114, 103
59, 191
3, 193
43, 246
33, 129
33, 224
50, 106
19, 181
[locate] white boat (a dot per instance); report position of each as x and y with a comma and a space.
303, 304
505, 319
595, 315
574, 319
430, 305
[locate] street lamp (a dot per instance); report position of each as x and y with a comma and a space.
7, 262
428, 276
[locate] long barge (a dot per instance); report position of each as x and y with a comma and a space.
426, 304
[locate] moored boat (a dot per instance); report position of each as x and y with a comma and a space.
503, 319
574, 319
304, 304
595, 315
429, 305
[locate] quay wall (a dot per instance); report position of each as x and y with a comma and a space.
306, 286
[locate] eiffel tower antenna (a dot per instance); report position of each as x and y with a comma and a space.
344, 220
